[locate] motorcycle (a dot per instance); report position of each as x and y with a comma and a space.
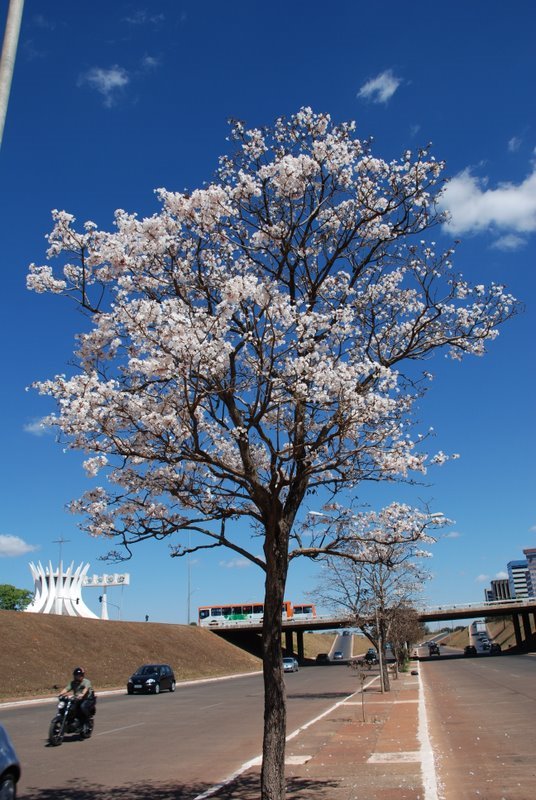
66, 720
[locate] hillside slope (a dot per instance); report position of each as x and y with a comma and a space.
39, 651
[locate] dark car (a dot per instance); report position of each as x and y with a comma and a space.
371, 656
494, 649
9, 766
469, 650
152, 679
322, 658
433, 649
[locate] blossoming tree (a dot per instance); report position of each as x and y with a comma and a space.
379, 587
254, 342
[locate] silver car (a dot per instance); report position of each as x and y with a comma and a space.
9, 766
290, 664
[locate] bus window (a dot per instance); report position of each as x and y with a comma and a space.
237, 609
257, 609
226, 611
215, 612
247, 609
204, 613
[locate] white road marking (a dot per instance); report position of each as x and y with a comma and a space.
116, 730
385, 702
429, 777
395, 758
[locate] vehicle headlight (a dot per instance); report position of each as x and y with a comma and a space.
61, 704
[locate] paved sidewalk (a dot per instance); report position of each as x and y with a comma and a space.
342, 757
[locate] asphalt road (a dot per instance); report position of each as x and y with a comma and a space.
482, 720
146, 746
481, 714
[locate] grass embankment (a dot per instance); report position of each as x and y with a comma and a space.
315, 643
458, 639
39, 651
501, 632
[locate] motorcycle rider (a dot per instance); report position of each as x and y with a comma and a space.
82, 691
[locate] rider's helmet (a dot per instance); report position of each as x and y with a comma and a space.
78, 672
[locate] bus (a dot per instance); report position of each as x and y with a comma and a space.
303, 611
212, 616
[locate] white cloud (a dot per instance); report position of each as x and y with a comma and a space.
11, 546
235, 563
142, 17
514, 144
108, 82
501, 576
453, 535
43, 22
533, 529
474, 208
509, 242
37, 428
482, 578
149, 62
381, 88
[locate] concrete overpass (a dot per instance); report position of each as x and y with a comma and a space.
520, 610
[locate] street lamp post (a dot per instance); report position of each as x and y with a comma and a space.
7, 59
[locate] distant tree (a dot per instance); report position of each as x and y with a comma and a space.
405, 631
379, 590
13, 599
245, 350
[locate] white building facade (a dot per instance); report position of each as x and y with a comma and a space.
59, 591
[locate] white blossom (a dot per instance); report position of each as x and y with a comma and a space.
254, 333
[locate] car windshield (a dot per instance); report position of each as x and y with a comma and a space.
288, 660
148, 669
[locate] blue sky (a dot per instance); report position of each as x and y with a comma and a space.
112, 100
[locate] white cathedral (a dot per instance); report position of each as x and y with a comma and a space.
59, 591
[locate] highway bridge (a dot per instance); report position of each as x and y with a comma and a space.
520, 610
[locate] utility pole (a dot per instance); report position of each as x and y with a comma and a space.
7, 59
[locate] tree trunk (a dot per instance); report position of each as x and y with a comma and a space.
273, 785
382, 644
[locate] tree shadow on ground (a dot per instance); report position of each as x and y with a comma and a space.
323, 695
245, 787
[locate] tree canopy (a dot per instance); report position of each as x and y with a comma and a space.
254, 343
13, 599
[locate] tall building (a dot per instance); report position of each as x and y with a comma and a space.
500, 589
530, 555
518, 576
